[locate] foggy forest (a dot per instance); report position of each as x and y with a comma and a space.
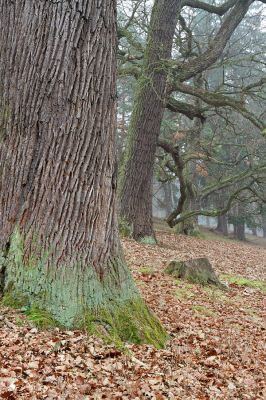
133, 199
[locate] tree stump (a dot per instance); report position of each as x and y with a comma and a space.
197, 270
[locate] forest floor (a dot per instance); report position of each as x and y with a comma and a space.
217, 346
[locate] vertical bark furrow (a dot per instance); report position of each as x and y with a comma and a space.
48, 120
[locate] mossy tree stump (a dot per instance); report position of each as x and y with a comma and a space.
197, 270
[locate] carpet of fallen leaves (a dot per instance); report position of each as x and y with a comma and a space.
217, 346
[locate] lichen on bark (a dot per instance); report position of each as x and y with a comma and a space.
78, 297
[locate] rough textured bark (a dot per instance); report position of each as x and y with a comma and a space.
148, 108
59, 236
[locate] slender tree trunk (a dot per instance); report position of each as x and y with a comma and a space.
254, 231
190, 226
222, 225
148, 108
240, 232
264, 224
168, 197
239, 226
59, 234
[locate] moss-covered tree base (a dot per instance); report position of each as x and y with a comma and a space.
76, 297
198, 270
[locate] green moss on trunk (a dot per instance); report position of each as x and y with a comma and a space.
76, 297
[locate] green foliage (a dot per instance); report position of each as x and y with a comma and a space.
242, 281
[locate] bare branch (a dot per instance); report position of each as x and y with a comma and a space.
232, 180
210, 213
187, 70
189, 110
219, 100
174, 152
219, 10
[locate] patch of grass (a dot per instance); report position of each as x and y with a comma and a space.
215, 293
242, 281
184, 292
146, 270
140, 283
222, 296
252, 313
20, 321
148, 240
202, 310
41, 318
196, 233
208, 234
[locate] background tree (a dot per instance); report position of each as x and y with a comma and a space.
192, 55
144, 129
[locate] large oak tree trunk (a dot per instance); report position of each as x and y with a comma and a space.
144, 129
59, 236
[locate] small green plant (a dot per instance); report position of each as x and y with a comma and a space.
242, 281
20, 321
41, 318
197, 233
146, 270
199, 309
